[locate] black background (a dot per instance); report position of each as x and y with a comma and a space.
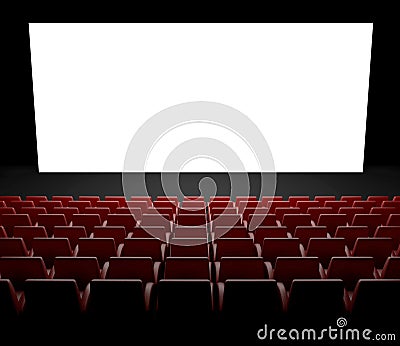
18, 133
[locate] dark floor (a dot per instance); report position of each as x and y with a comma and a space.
27, 181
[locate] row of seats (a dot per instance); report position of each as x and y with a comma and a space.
283, 269
132, 300
104, 248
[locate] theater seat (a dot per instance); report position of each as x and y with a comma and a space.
81, 269
184, 301
18, 205
325, 248
120, 199
13, 247
63, 199
187, 268
351, 234
378, 248
50, 205
234, 247
288, 269
391, 269
336, 205
372, 221
269, 232
142, 247
281, 212
101, 248
230, 232
81, 205
190, 232
389, 232
9, 221
110, 205
350, 270
393, 220
67, 212
315, 212
117, 233
52, 301
73, 233
36, 199
316, 302
89, 221
3, 233
92, 199
281, 247
50, 248
249, 301
10, 307
376, 304
305, 233
122, 303
28, 233
239, 268
140, 268
189, 247
100, 211
158, 232
350, 212
19, 269
49, 221
332, 221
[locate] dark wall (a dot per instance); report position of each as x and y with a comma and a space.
18, 133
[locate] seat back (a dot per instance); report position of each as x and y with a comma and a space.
391, 269
241, 268
351, 234
117, 233
49, 221
73, 233
269, 232
50, 248
13, 247
280, 247
102, 248
140, 268
142, 247
187, 268
326, 248
234, 247
27, 233
378, 248
305, 233
10, 307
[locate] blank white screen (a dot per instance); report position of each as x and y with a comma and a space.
304, 85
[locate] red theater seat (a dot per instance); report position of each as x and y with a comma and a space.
140, 268
392, 204
187, 268
234, 247
288, 269
316, 302
269, 232
190, 232
245, 199
385, 212
378, 248
8, 199
102, 212
251, 300
28, 233
304, 205
92, 199
332, 221
33, 213
389, 232
366, 205
50, 248
227, 220
63, 199
316, 212
13, 247
81, 205
67, 211
6, 210
191, 219
350, 270
81, 269
257, 220
111, 205
323, 199
126, 301
52, 301
146, 199
378, 199
72, 233
351, 234
336, 205
291, 221
158, 232
375, 303
50, 205
272, 205
243, 205
117, 233
3, 233
249, 212
9, 221
49, 221
281, 247
350, 212
18, 205
294, 199
394, 220
325, 248
125, 220
230, 232
281, 212
372, 221
391, 269
36, 199
142, 247
220, 198
102, 248
239, 268
351, 199
10, 307
304, 233
189, 247
89, 221
120, 199
19, 269
156, 220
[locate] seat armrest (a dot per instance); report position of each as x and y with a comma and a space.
302, 250
220, 287
119, 250
163, 249
347, 300
148, 295
51, 273
91, 235
270, 271
377, 273
278, 223
76, 250
283, 294
129, 235
347, 251
251, 235
322, 272
157, 271
258, 249
214, 247
289, 235
217, 266
105, 270
85, 297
